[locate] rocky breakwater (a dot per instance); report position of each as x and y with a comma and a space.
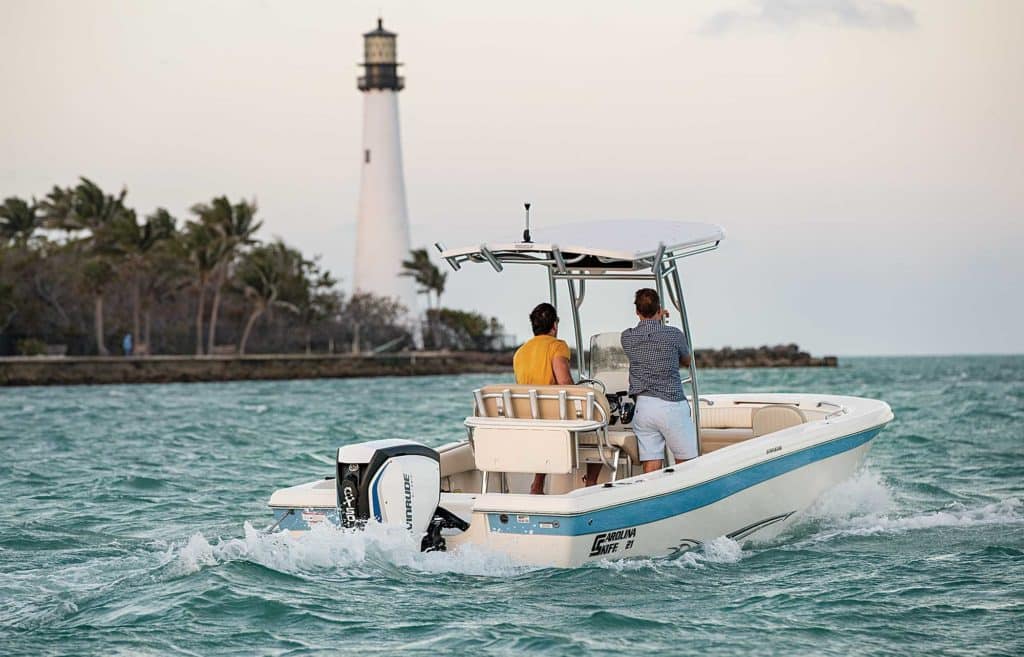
783, 355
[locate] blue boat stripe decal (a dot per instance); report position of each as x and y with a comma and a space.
652, 509
375, 499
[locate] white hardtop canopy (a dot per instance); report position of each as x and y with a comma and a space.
635, 250
618, 244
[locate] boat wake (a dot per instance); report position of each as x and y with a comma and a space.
865, 506
327, 548
862, 506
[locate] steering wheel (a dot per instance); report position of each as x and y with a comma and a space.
604, 389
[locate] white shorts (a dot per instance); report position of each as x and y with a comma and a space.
658, 421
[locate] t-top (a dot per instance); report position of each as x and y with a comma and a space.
532, 361
654, 351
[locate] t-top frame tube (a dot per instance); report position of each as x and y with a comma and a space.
665, 274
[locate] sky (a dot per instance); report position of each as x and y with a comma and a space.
866, 157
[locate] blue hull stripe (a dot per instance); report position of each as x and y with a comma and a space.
375, 496
652, 509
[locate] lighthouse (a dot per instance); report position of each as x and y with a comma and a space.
382, 233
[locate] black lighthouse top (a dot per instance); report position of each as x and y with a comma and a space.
381, 67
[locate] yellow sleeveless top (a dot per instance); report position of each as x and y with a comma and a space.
532, 362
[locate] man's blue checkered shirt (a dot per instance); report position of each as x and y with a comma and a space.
654, 351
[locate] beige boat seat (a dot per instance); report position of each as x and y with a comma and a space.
725, 417
776, 417
548, 408
545, 404
455, 458
458, 469
721, 426
578, 417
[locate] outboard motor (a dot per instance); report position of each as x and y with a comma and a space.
395, 482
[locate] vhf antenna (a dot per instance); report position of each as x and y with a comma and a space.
526, 233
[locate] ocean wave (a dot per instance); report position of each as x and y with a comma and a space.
607, 620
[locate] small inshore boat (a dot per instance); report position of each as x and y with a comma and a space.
763, 456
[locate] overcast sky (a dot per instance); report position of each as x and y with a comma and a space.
866, 157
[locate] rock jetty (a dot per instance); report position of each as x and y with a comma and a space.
783, 355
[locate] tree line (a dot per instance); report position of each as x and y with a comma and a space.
80, 269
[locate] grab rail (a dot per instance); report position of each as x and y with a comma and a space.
588, 404
840, 409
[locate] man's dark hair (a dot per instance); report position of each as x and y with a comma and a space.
647, 302
543, 318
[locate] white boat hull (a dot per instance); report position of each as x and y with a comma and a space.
761, 510
750, 489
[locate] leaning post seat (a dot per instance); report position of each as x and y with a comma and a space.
519, 428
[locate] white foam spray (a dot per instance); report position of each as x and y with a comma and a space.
326, 547
865, 505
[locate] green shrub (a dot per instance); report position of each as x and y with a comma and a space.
31, 347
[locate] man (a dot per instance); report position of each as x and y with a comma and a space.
542, 360
656, 352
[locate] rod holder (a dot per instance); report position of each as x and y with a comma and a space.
506, 402
489, 257
556, 253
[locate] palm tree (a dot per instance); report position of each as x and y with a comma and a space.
97, 274
86, 208
430, 279
436, 281
19, 219
136, 243
418, 267
8, 308
234, 226
203, 249
266, 273
315, 297
167, 273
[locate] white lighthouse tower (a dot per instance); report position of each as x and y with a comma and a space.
382, 240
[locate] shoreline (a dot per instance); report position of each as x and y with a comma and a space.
102, 370
106, 370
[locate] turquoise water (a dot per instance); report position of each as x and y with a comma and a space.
129, 511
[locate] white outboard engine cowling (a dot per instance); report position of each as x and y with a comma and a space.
394, 481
